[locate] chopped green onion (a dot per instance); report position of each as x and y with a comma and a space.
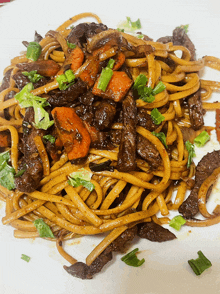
134, 24
33, 51
70, 75
161, 136
25, 257
185, 27
20, 173
50, 138
129, 25
121, 30
141, 80
156, 116
140, 36
81, 178
132, 260
191, 152
6, 171
177, 222
111, 63
160, 87
43, 229
202, 139
71, 45
105, 78
200, 264
66, 80
32, 76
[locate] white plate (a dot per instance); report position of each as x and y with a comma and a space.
166, 269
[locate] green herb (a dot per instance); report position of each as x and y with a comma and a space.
132, 260
33, 51
161, 136
43, 229
185, 27
71, 45
147, 94
25, 257
191, 152
105, 78
20, 173
50, 138
134, 24
140, 36
200, 264
6, 171
156, 116
121, 30
160, 87
81, 178
32, 76
66, 80
202, 139
177, 222
27, 99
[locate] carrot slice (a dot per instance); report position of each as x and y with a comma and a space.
117, 87
120, 59
72, 132
76, 58
4, 140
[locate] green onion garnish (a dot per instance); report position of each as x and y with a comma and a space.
191, 152
185, 27
161, 136
32, 76
70, 75
200, 264
50, 138
66, 80
177, 222
111, 63
71, 45
160, 87
156, 116
20, 173
202, 139
132, 260
33, 51
134, 24
140, 36
25, 257
105, 78
43, 229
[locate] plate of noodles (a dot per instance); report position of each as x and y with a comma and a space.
109, 151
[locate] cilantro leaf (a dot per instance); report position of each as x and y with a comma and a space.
32, 76
43, 229
156, 116
81, 177
161, 136
191, 152
6, 172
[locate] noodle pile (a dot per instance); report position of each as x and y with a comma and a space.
81, 212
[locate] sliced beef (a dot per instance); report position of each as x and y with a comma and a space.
21, 81
102, 141
148, 151
127, 148
87, 98
83, 271
181, 38
115, 136
154, 232
80, 33
37, 38
196, 111
6, 80
67, 97
85, 112
206, 166
31, 161
104, 115
144, 120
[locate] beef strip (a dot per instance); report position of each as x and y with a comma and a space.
196, 111
127, 148
87, 98
21, 81
6, 80
206, 166
102, 141
83, 271
180, 37
67, 97
31, 161
80, 33
144, 119
115, 136
154, 232
104, 115
85, 112
148, 151
8, 96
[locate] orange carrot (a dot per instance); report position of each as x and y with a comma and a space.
90, 72
117, 87
120, 59
72, 132
4, 140
76, 58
